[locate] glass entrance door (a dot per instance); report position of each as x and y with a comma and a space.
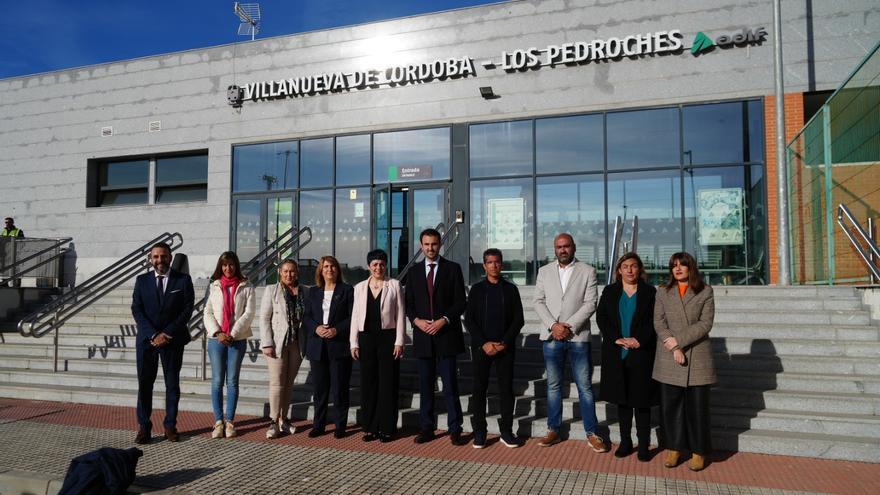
401, 213
258, 221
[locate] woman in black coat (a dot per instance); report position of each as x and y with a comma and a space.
326, 321
626, 320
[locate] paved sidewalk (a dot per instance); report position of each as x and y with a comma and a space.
42, 437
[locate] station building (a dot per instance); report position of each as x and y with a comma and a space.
519, 119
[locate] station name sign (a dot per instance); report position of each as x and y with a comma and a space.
533, 58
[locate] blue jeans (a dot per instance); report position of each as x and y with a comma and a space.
578, 354
225, 367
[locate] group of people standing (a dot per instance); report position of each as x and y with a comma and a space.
655, 344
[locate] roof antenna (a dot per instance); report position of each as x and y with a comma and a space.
249, 14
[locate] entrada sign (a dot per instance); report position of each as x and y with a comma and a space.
575, 53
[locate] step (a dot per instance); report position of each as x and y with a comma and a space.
851, 317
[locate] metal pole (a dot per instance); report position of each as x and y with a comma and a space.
204, 354
872, 235
55, 344
783, 242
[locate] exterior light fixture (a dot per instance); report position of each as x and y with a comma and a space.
487, 93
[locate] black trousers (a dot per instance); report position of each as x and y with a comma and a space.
504, 376
332, 377
643, 423
148, 359
380, 381
685, 418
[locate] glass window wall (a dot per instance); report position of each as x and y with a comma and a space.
655, 197
724, 222
353, 160
504, 148
643, 138
576, 205
124, 183
265, 167
316, 163
501, 217
353, 232
570, 144
411, 156
315, 211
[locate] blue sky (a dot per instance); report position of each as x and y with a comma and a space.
45, 35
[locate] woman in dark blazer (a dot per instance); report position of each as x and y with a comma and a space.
327, 319
683, 315
625, 316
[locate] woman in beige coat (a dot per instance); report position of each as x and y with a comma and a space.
683, 313
229, 311
281, 316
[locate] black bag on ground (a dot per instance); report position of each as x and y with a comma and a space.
101, 472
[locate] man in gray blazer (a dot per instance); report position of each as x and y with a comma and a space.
565, 299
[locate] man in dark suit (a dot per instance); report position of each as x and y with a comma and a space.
162, 304
435, 301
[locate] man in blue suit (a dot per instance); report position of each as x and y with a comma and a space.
162, 304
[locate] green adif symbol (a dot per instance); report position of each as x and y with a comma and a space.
701, 43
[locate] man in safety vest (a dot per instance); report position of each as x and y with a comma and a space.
10, 230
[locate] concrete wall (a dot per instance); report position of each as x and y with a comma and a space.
51, 122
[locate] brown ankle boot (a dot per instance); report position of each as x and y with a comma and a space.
698, 462
671, 459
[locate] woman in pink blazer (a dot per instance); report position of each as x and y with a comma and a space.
376, 338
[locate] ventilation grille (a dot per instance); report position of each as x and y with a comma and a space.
155, 126
106, 131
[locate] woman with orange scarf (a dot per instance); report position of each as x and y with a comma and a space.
229, 311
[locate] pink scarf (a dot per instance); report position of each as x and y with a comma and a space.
226, 284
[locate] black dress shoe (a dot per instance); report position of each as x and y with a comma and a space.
369, 437
456, 439
623, 450
339, 433
424, 437
172, 435
316, 432
142, 437
385, 437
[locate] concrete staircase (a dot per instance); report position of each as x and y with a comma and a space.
798, 371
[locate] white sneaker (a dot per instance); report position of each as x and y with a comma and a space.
287, 427
230, 430
272, 432
218, 430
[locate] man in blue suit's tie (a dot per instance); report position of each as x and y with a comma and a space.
161, 305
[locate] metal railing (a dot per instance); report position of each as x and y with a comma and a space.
441, 227
616, 240
50, 317
256, 270
868, 255
445, 245
23, 266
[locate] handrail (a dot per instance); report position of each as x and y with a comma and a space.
254, 270
53, 315
58, 243
615, 245
843, 211
441, 227
630, 247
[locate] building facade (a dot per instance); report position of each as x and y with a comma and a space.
521, 119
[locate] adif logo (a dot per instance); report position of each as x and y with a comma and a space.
703, 43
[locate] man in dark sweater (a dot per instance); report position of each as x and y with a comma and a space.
494, 318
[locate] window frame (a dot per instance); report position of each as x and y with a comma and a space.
95, 189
